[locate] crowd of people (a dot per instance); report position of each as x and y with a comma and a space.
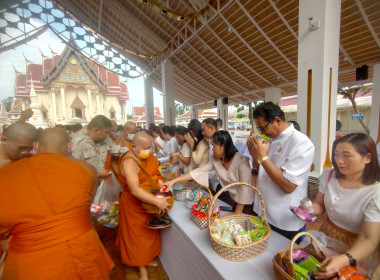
48, 179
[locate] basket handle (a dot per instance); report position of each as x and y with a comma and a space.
199, 190
232, 185
291, 245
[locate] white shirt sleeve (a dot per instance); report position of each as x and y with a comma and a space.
323, 180
200, 175
298, 162
372, 212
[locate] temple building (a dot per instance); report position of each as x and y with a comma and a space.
70, 89
139, 117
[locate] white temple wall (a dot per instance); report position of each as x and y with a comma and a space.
111, 101
71, 94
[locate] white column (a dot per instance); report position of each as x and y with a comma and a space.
63, 101
149, 101
90, 109
122, 105
318, 58
273, 94
193, 112
98, 108
222, 110
374, 121
167, 74
54, 108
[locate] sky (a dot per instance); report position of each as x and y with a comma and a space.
32, 49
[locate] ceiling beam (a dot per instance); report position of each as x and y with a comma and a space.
251, 49
100, 16
265, 35
177, 42
367, 22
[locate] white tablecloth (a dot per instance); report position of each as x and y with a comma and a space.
187, 252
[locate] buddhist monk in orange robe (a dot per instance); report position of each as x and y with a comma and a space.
46, 214
138, 244
125, 140
16, 142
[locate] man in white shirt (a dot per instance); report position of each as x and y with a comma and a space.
283, 168
184, 156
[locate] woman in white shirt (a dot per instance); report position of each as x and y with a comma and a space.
229, 165
350, 195
170, 146
198, 145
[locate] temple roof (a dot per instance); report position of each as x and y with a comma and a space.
43, 74
140, 111
156, 118
202, 114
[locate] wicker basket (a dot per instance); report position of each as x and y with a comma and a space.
311, 250
203, 222
243, 252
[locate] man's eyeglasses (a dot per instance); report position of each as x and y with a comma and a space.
262, 128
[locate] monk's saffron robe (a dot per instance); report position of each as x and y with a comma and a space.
45, 201
138, 244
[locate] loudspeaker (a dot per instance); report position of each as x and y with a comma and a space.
215, 102
225, 101
362, 73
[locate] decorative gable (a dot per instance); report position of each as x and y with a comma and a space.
77, 104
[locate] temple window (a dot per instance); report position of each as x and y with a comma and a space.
78, 113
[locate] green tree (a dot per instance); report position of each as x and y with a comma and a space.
180, 109
8, 103
250, 106
350, 93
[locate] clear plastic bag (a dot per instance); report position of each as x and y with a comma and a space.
332, 247
105, 206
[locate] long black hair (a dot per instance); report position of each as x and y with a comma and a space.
223, 138
169, 130
196, 126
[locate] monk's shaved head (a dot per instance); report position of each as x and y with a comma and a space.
142, 139
17, 142
53, 140
130, 126
17, 130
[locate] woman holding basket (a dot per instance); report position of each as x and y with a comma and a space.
350, 195
229, 165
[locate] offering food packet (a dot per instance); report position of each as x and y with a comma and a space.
227, 238
242, 239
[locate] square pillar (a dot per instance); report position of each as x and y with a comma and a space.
318, 65
193, 112
168, 92
273, 94
374, 122
222, 110
149, 100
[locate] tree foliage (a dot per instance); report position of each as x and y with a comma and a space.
180, 109
8, 103
350, 93
250, 106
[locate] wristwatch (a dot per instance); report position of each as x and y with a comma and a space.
261, 160
351, 259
